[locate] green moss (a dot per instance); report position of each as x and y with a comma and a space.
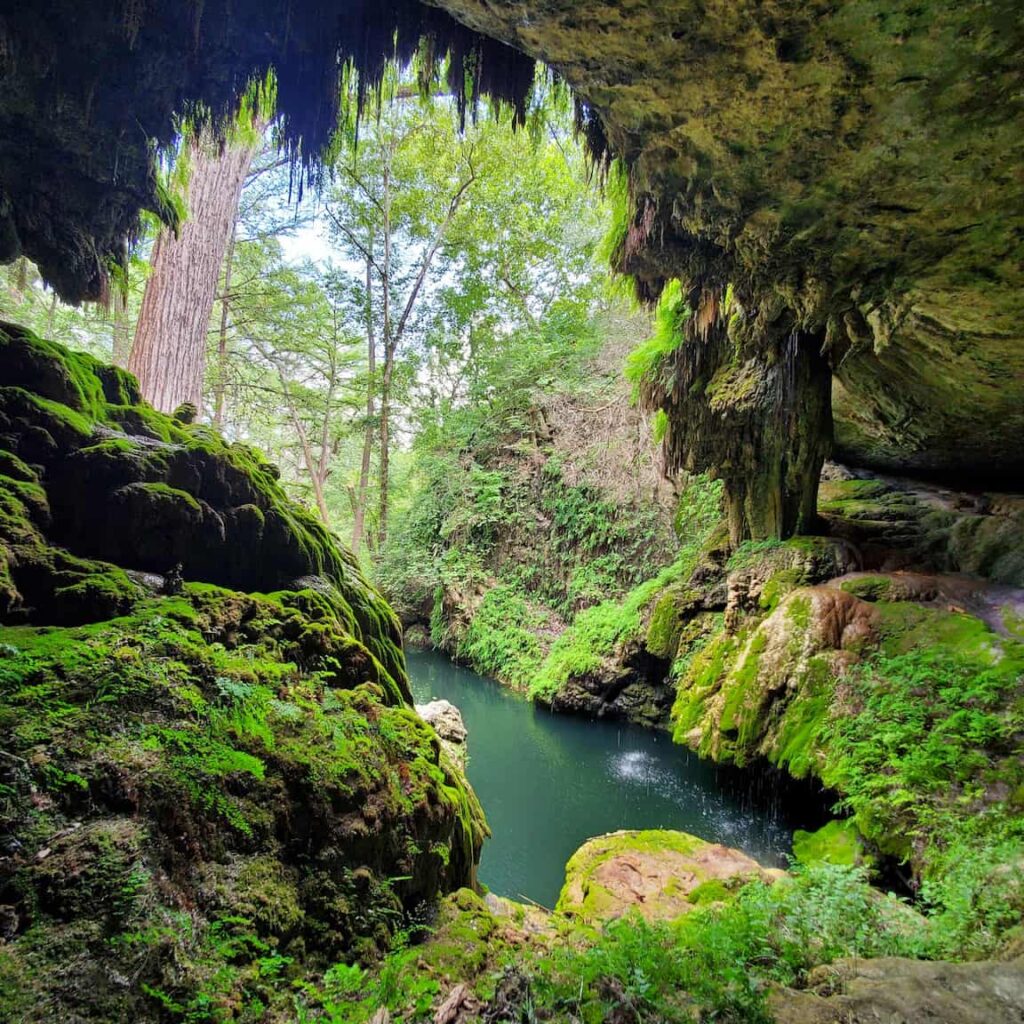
700, 682
14, 468
502, 637
464, 943
104, 593
739, 716
665, 628
600, 633
170, 492
797, 744
712, 891
838, 842
60, 377
583, 896
868, 588
248, 756
195, 714
732, 385
1013, 622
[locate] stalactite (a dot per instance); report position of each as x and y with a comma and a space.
160, 60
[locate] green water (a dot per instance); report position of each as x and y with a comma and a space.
548, 782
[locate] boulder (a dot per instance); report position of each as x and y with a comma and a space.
657, 873
899, 991
447, 722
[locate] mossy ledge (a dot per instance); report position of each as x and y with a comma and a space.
200, 784
900, 692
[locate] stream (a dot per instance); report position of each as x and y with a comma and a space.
549, 782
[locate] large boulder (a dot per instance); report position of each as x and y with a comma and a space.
659, 874
900, 991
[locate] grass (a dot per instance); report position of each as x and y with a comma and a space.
715, 963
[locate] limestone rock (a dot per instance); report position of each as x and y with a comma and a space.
447, 722
899, 991
660, 874
445, 718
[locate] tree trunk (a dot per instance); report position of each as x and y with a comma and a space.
222, 338
359, 509
385, 442
121, 329
389, 358
169, 353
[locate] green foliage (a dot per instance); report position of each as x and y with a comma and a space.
929, 724
934, 733
647, 360
598, 632
502, 638
659, 426
716, 962
975, 892
838, 842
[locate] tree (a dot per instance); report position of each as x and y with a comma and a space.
104, 329
295, 382
397, 200
263, 214
169, 352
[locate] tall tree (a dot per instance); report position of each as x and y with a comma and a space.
169, 352
396, 201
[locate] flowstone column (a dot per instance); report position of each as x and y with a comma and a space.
757, 416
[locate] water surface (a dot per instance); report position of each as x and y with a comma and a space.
549, 782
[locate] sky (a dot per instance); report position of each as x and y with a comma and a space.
308, 242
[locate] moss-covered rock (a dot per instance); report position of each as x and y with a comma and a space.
860, 991
801, 170
210, 754
899, 524
198, 781
838, 842
904, 703
119, 482
656, 873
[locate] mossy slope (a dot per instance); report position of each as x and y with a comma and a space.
896, 698
200, 786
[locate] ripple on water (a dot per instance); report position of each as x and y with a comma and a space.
548, 783
710, 814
